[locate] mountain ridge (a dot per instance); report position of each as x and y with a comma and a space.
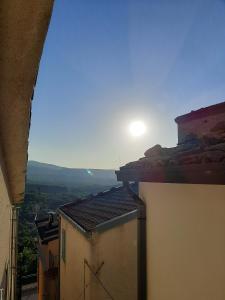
50, 174
36, 163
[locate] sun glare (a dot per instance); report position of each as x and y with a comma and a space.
137, 128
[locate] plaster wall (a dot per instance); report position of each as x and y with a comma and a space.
47, 285
117, 248
77, 248
185, 241
23, 29
5, 229
41, 280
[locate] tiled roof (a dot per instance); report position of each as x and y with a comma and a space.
47, 231
92, 212
197, 161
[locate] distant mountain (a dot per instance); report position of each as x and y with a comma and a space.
43, 173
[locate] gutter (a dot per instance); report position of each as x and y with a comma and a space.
141, 245
116, 221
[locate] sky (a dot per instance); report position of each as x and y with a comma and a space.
108, 62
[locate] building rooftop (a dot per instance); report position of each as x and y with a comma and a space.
188, 163
199, 160
202, 112
104, 209
48, 228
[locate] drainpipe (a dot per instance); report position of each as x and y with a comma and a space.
141, 245
18, 265
13, 250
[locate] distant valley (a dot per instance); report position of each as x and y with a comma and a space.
47, 187
51, 178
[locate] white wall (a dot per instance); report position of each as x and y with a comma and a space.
185, 241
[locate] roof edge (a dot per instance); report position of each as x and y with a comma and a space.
74, 224
50, 239
119, 220
202, 112
116, 221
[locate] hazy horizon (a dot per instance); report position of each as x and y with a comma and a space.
107, 63
60, 166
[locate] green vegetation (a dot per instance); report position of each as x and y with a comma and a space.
27, 251
48, 187
39, 199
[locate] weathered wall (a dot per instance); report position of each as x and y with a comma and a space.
213, 125
41, 280
47, 285
52, 282
72, 270
5, 227
117, 248
185, 241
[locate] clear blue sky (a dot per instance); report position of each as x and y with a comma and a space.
108, 62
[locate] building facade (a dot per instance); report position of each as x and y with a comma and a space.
99, 247
205, 122
183, 189
20, 54
48, 258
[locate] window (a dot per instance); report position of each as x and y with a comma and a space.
63, 245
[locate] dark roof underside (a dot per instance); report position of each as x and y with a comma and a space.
98, 209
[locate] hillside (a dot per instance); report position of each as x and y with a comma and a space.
49, 186
42, 173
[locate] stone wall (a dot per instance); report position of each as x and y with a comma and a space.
212, 125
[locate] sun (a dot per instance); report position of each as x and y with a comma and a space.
137, 128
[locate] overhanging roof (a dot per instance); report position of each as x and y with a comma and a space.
23, 30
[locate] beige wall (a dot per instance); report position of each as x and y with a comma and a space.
72, 270
116, 247
52, 283
47, 285
41, 280
5, 226
201, 127
185, 241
